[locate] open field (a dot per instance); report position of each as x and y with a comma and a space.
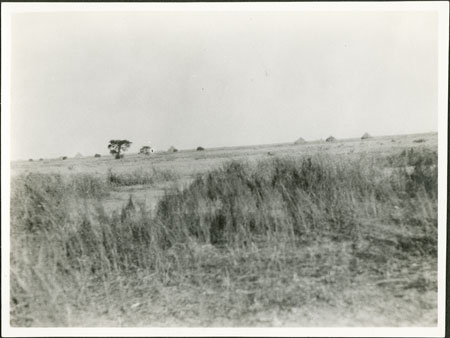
318, 234
186, 164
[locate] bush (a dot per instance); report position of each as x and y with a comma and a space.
97, 155
200, 148
64, 157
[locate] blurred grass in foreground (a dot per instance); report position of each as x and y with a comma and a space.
281, 233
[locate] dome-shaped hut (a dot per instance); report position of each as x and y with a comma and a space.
300, 141
365, 136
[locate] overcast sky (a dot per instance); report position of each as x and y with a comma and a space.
217, 79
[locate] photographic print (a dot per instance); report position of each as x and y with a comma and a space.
224, 169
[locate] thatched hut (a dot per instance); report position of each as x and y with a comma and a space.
300, 141
365, 136
78, 155
172, 149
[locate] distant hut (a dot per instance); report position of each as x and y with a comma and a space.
300, 141
200, 148
365, 136
146, 150
331, 139
172, 149
78, 155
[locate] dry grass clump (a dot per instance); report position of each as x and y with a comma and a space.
286, 199
140, 177
243, 238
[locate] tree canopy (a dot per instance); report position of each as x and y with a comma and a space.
116, 147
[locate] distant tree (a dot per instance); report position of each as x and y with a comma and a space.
200, 148
64, 157
97, 155
145, 150
116, 147
41, 159
31, 160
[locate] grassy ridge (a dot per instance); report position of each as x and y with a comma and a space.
247, 233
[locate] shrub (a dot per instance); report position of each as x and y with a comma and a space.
200, 148
64, 157
97, 155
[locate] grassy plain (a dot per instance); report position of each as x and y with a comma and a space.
318, 234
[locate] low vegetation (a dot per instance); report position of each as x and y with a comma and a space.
139, 177
239, 240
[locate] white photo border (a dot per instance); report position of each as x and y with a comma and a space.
441, 7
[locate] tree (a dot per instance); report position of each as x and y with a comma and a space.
116, 147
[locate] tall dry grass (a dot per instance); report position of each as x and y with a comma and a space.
245, 230
140, 177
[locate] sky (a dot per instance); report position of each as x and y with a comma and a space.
217, 79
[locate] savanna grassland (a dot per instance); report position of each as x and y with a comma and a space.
317, 234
